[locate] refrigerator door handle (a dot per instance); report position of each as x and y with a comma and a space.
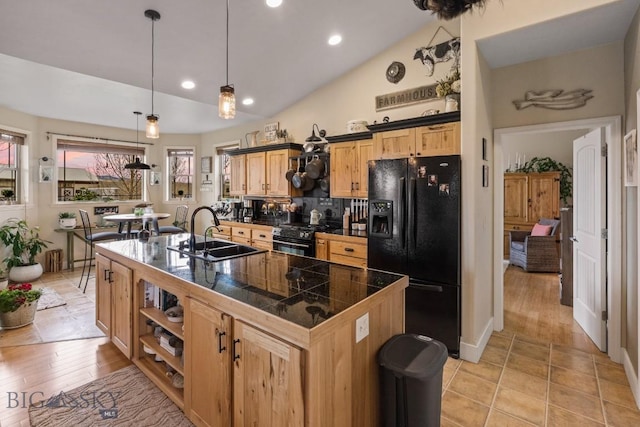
434, 288
412, 213
403, 234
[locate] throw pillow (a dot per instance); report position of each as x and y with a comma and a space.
541, 230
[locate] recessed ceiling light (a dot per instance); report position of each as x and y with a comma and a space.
274, 3
188, 84
335, 39
247, 101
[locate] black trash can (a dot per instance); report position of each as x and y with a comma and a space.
411, 381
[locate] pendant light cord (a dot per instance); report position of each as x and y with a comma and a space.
153, 22
227, 42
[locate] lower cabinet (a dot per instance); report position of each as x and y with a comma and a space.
114, 297
264, 373
207, 365
347, 250
267, 379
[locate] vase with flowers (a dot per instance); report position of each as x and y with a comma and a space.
18, 305
449, 89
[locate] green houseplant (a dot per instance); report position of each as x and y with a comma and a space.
24, 243
18, 305
547, 164
7, 194
67, 219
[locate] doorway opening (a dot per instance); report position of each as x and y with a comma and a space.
613, 132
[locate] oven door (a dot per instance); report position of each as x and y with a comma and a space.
294, 246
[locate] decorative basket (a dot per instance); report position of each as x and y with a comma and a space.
23, 316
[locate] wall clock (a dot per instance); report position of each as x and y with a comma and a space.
395, 72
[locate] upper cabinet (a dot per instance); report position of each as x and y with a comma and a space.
261, 172
349, 174
529, 197
432, 140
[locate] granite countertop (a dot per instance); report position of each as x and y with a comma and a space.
302, 290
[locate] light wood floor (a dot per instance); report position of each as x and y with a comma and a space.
541, 370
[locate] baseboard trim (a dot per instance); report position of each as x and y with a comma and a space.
632, 376
472, 352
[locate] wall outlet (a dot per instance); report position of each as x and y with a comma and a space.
362, 327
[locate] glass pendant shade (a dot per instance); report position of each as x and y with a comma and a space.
227, 102
153, 129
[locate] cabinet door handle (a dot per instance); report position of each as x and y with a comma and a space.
352, 186
236, 356
106, 275
241, 232
349, 250
417, 154
263, 186
263, 236
358, 186
410, 154
221, 346
436, 127
243, 187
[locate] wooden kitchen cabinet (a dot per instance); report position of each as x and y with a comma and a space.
438, 140
268, 379
262, 238
527, 198
347, 250
256, 174
241, 235
207, 363
434, 140
238, 182
349, 174
114, 302
266, 172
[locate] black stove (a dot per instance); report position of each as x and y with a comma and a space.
298, 238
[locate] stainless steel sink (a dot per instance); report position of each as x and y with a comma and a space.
215, 250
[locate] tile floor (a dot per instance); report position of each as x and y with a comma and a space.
524, 382
75, 320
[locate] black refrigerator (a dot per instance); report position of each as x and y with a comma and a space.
414, 229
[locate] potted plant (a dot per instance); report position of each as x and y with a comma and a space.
24, 243
67, 219
18, 305
449, 89
7, 194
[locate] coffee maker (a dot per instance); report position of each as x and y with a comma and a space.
247, 211
237, 211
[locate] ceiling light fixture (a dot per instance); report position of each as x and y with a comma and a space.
153, 129
274, 3
188, 84
137, 164
227, 98
335, 39
247, 101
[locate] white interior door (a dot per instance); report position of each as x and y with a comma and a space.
589, 247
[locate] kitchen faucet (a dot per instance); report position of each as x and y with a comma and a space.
192, 239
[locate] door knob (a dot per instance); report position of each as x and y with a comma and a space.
573, 239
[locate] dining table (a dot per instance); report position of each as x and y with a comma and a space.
126, 220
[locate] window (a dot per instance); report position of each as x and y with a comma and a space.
91, 171
180, 165
224, 168
10, 144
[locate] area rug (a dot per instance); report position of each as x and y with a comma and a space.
123, 398
49, 299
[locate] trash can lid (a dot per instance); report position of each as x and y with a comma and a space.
413, 355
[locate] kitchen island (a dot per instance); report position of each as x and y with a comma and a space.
270, 339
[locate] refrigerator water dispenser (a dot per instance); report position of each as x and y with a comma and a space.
381, 218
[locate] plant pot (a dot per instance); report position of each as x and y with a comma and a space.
67, 222
23, 316
25, 273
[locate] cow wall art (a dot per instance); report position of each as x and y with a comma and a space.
442, 52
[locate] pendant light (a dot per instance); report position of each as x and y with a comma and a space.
227, 98
137, 164
153, 129
314, 137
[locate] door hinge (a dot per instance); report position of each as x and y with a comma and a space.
604, 316
604, 150
604, 233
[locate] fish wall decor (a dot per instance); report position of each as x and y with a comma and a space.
554, 99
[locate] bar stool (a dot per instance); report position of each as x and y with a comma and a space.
89, 241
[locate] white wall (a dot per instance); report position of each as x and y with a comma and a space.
556, 145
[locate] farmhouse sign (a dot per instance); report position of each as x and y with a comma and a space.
405, 97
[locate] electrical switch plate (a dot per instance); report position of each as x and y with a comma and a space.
362, 327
